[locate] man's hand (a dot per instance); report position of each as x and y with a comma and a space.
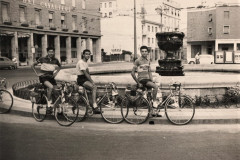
39, 74
139, 85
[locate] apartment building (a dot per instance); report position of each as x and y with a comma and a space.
28, 27
117, 24
214, 31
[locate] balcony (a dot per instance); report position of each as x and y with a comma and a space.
24, 24
64, 28
7, 21
39, 26
85, 31
75, 30
52, 27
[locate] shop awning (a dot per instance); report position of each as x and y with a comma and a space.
23, 34
6, 33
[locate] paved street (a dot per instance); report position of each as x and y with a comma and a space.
24, 138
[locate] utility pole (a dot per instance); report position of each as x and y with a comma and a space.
135, 33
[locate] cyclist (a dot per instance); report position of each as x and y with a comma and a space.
84, 78
48, 71
142, 66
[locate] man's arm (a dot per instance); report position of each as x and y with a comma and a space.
134, 75
34, 69
86, 73
150, 73
58, 69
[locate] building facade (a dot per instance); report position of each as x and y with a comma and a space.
28, 27
214, 31
117, 24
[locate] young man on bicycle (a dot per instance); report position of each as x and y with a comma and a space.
84, 78
142, 66
48, 71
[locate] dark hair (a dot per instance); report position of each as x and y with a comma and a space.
86, 50
50, 48
144, 47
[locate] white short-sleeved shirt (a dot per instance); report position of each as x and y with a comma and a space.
81, 65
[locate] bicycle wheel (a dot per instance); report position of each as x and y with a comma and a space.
83, 108
66, 113
182, 112
110, 107
6, 101
135, 112
39, 109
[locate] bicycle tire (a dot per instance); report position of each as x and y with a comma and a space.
66, 113
83, 109
110, 107
136, 112
39, 110
6, 101
183, 113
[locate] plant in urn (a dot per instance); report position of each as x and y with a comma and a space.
170, 43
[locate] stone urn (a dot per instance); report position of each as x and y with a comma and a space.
170, 43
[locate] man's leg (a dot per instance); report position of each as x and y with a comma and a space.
49, 90
93, 88
155, 89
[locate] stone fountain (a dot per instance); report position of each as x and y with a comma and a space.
170, 43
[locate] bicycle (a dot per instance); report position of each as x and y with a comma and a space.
109, 104
64, 108
6, 98
137, 110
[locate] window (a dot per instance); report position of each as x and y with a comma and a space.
38, 16
100, 5
209, 30
152, 40
110, 14
83, 4
50, 18
210, 18
226, 29
152, 28
105, 15
226, 14
5, 12
110, 4
22, 14
156, 29
74, 54
74, 22
224, 48
209, 50
148, 28
62, 1
84, 23
148, 41
63, 20
105, 4
74, 3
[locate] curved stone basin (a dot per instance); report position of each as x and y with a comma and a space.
194, 85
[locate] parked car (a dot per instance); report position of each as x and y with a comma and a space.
204, 59
6, 63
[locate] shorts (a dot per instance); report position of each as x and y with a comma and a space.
48, 78
81, 80
144, 81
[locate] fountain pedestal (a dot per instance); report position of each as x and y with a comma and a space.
170, 43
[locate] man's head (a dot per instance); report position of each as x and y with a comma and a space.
86, 54
51, 52
144, 51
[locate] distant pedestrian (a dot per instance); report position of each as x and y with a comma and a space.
15, 62
197, 58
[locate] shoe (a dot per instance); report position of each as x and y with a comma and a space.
173, 106
49, 110
96, 111
155, 113
155, 104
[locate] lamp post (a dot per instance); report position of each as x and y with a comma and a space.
135, 33
159, 10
